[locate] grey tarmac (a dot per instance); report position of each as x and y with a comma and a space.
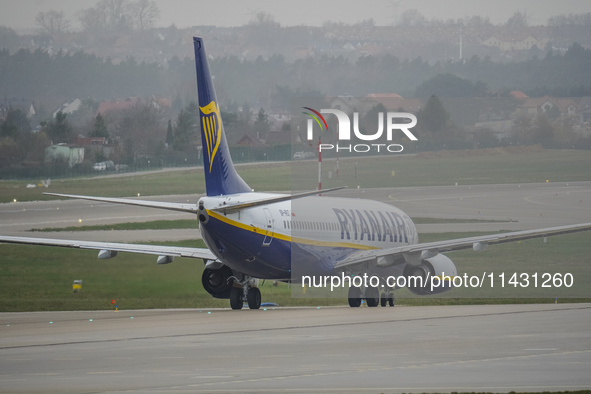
496, 348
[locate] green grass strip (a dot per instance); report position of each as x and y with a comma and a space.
152, 225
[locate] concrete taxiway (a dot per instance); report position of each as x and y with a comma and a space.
510, 206
496, 348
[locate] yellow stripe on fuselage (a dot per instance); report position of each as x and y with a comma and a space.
288, 238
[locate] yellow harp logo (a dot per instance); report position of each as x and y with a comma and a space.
212, 129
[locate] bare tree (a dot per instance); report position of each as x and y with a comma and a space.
142, 128
518, 20
144, 13
93, 19
119, 15
412, 17
107, 16
53, 22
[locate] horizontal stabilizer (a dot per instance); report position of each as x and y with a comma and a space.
190, 208
266, 201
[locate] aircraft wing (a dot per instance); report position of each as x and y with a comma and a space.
109, 249
417, 252
190, 208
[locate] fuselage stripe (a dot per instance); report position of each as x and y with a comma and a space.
289, 238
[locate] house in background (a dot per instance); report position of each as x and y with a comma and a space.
70, 154
69, 107
96, 145
514, 41
393, 102
565, 106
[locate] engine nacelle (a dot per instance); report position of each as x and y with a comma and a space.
419, 277
218, 281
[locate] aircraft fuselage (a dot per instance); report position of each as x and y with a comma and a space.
314, 232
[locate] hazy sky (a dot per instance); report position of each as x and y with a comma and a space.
20, 14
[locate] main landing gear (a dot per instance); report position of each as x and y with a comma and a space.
247, 292
371, 295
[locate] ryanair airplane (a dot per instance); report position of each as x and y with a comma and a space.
251, 236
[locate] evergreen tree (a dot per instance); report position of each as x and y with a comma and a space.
185, 131
58, 129
169, 134
15, 124
433, 117
261, 124
99, 128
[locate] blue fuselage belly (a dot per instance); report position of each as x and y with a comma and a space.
243, 250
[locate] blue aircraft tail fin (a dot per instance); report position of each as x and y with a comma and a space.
220, 175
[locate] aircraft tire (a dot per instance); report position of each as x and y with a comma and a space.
383, 299
391, 300
354, 297
236, 298
372, 297
254, 298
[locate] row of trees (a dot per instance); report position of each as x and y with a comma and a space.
63, 76
18, 144
106, 17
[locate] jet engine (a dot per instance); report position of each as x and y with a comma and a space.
218, 281
419, 277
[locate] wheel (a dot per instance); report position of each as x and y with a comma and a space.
236, 298
372, 296
391, 300
383, 299
254, 298
354, 297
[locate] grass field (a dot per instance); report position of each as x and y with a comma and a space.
40, 278
462, 167
34, 278
152, 225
